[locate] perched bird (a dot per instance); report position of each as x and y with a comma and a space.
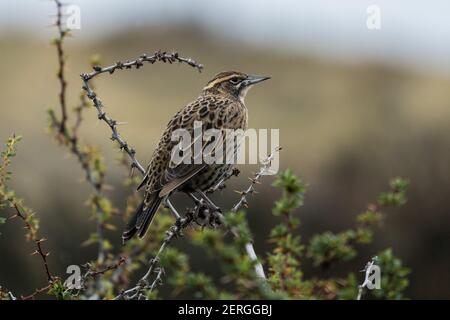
220, 106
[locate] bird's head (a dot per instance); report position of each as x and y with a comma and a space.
234, 83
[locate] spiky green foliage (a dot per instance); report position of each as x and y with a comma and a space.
8, 197
285, 275
328, 247
237, 267
104, 279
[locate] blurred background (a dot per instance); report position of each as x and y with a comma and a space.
355, 106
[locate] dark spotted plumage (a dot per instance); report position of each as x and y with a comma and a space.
220, 106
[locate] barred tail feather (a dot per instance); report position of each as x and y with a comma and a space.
141, 220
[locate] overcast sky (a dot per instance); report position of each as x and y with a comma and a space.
413, 32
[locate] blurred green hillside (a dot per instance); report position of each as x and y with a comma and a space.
345, 129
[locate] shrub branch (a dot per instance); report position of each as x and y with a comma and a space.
158, 56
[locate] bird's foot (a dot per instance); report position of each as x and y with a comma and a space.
207, 214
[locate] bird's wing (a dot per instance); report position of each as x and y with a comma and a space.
175, 123
203, 109
176, 182
179, 174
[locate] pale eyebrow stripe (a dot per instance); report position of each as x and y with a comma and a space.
212, 84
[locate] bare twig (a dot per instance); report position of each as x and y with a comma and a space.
62, 33
139, 62
92, 272
135, 251
160, 272
254, 180
36, 292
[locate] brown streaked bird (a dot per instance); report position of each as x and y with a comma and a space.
220, 106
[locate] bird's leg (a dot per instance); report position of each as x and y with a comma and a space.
201, 210
194, 198
172, 209
221, 184
206, 211
208, 201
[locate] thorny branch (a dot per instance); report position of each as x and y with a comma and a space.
38, 251
62, 33
93, 272
37, 242
37, 291
266, 163
137, 63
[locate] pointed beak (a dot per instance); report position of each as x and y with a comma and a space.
253, 79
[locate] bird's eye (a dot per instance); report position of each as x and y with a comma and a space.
235, 80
